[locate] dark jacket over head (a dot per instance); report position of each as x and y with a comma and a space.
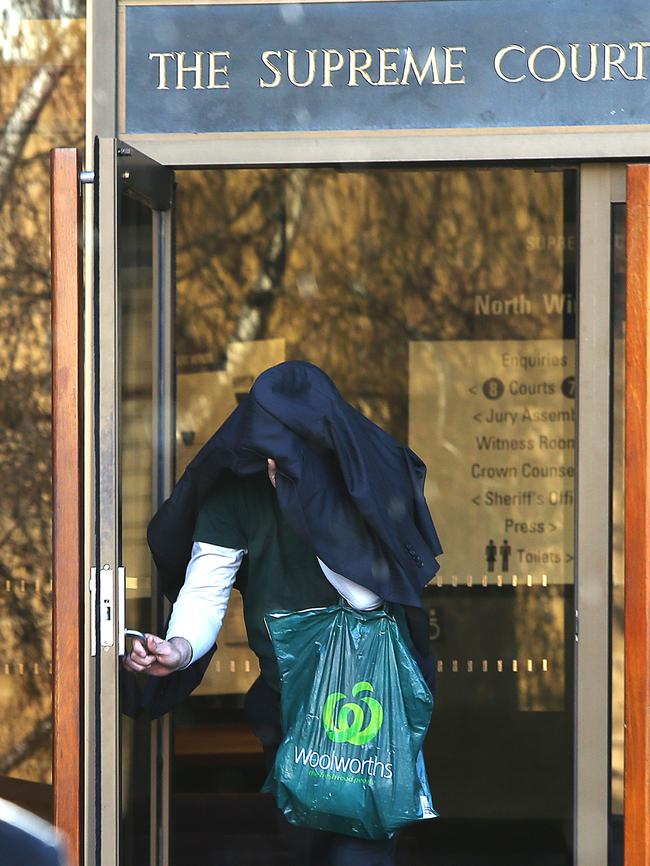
343, 483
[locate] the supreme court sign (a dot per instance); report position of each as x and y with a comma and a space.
412, 65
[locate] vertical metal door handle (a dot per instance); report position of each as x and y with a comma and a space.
106, 613
121, 610
92, 586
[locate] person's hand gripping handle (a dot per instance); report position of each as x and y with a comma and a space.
159, 657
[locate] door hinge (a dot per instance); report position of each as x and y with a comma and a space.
577, 626
87, 177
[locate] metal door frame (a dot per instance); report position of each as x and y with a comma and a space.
600, 187
102, 716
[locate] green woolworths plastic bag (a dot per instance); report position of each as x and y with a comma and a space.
355, 709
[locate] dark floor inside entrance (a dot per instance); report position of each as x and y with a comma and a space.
220, 819
239, 830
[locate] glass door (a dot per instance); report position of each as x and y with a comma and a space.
133, 222
454, 328
459, 335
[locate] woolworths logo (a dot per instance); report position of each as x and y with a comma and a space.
344, 723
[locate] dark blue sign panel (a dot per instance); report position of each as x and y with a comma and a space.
416, 64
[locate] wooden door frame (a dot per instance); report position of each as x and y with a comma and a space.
67, 496
637, 521
67, 469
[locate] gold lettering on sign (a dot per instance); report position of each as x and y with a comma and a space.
277, 75
291, 68
498, 60
356, 67
196, 69
611, 63
214, 70
450, 65
162, 67
387, 67
329, 66
574, 49
181, 69
561, 63
410, 65
381, 67
640, 59
605, 61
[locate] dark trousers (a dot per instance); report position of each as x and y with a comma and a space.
311, 847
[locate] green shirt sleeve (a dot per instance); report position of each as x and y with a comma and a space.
218, 520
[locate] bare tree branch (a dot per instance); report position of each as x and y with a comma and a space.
28, 107
255, 310
27, 746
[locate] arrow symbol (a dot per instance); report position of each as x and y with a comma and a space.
474, 389
478, 417
568, 557
477, 499
552, 527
